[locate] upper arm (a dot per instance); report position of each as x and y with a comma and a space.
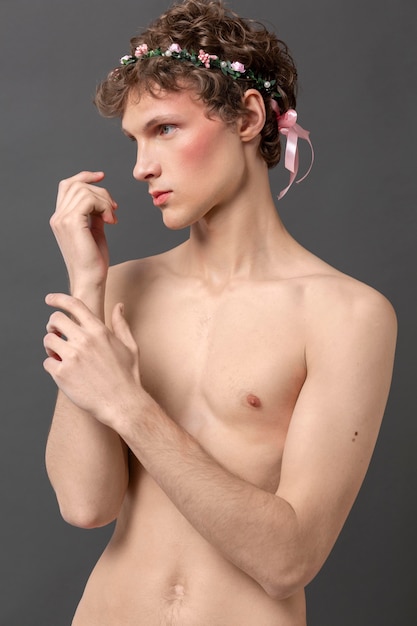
127, 282
116, 289
349, 356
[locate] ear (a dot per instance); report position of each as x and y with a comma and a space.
253, 120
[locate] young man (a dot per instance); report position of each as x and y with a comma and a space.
221, 400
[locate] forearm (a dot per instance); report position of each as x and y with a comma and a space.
255, 530
86, 460
87, 466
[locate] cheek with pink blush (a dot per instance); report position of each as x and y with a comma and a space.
202, 148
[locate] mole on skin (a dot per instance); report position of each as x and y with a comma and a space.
356, 434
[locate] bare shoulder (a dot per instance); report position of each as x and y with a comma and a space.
326, 296
130, 281
336, 294
343, 310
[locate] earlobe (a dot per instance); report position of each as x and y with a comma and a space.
254, 119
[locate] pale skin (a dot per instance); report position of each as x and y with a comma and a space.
221, 400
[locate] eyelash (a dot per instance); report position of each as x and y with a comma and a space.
160, 129
164, 126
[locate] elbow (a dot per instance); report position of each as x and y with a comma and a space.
86, 519
283, 583
83, 509
280, 589
86, 515
83, 518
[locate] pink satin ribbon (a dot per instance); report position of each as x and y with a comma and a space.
287, 125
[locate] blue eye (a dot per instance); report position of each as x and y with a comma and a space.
166, 129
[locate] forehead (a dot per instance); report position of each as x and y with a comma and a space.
142, 107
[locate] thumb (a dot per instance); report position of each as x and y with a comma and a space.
120, 326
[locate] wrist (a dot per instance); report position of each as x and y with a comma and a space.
92, 295
127, 417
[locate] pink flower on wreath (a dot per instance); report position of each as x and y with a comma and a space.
205, 57
141, 50
175, 47
238, 67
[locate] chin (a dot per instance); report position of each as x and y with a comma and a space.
173, 221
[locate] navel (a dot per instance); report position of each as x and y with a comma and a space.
178, 591
175, 593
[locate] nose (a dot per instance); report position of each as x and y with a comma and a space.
147, 165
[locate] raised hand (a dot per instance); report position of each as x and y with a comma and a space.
82, 209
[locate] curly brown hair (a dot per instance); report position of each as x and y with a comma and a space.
208, 25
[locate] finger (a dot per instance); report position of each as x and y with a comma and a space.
121, 328
53, 345
73, 306
79, 192
83, 177
87, 176
87, 200
50, 365
96, 222
60, 324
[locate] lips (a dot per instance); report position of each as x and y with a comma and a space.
160, 197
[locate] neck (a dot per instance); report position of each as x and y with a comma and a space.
241, 241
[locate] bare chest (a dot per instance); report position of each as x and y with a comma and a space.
229, 367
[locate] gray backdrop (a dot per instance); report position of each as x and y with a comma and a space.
356, 210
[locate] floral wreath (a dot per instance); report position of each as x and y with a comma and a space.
233, 69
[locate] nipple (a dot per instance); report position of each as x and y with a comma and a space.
253, 400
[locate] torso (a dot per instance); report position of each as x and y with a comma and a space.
228, 367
